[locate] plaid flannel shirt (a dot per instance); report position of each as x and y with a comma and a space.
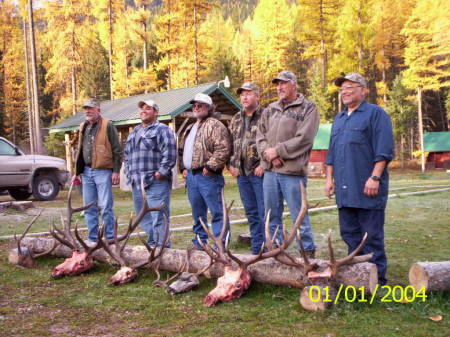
155, 151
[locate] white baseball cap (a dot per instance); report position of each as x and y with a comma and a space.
149, 103
202, 98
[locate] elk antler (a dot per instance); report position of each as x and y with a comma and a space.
219, 252
65, 236
349, 259
279, 252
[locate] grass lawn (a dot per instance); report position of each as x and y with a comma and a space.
417, 229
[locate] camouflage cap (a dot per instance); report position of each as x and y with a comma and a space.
149, 102
352, 77
285, 76
249, 86
91, 103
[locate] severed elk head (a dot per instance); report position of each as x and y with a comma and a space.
24, 257
127, 272
186, 280
237, 278
81, 259
334, 264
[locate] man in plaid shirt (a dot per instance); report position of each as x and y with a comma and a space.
150, 154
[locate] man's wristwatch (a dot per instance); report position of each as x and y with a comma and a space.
376, 178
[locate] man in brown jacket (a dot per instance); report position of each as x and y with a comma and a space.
285, 137
204, 150
98, 163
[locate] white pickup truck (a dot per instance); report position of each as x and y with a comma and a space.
22, 175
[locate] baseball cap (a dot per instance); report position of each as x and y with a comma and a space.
248, 86
285, 76
149, 103
202, 98
91, 103
353, 77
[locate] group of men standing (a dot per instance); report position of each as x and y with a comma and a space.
266, 149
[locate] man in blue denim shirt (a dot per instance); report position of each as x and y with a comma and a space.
361, 146
150, 154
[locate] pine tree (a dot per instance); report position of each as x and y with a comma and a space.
12, 70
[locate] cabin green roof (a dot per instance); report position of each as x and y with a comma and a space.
125, 111
322, 140
436, 141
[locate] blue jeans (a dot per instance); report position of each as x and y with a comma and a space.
277, 188
354, 223
251, 191
97, 186
153, 222
205, 193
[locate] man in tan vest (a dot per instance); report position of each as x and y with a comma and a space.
98, 163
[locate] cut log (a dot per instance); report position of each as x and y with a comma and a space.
4, 205
434, 276
245, 238
21, 205
317, 298
267, 271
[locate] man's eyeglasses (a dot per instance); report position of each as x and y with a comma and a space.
348, 87
197, 105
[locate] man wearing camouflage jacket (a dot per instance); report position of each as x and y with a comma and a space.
245, 163
204, 150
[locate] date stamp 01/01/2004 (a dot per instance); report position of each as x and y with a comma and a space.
351, 294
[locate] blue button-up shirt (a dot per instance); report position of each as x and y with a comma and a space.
357, 142
154, 151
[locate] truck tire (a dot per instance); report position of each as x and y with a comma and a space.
19, 193
45, 187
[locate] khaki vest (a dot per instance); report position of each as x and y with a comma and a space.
102, 157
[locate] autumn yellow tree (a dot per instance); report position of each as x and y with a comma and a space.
12, 74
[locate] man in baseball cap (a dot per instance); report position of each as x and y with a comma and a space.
204, 150
245, 162
98, 163
361, 146
284, 138
149, 156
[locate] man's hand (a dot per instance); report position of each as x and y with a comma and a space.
270, 154
277, 162
76, 180
115, 178
371, 188
184, 173
159, 176
206, 173
329, 188
233, 171
258, 171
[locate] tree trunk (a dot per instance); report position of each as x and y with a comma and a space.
267, 271
322, 47
110, 51
196, 42
419, 110
28, 89
37, 123
434, 276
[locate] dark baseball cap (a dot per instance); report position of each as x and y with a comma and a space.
285, 76
248, 86
352, 77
